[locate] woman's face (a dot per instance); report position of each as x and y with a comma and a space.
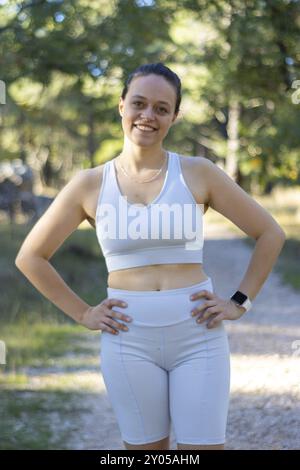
150, 100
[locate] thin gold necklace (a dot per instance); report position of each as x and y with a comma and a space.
145, 181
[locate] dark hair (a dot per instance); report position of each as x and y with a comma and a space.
157, 69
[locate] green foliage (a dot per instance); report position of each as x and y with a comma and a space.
65, 63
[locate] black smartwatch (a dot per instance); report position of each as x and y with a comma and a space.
242, 300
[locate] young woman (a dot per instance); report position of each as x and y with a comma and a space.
161, 364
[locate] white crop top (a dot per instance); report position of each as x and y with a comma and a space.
168, 230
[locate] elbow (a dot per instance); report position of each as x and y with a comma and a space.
281, 233
277, 233
282, 238
22, 261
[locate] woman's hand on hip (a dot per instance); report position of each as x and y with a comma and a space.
214, 309
102, 317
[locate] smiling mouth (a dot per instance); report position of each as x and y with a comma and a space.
143, 128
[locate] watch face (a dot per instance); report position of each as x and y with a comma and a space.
239, 297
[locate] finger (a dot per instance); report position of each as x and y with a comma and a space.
202, 293
210, 311
216, 321
115, 302
105, 327
120, 315
116, 325
202, 307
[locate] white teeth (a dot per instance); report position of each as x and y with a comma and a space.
145, 128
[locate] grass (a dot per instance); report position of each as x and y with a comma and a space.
39, 420
284, 204
38, 344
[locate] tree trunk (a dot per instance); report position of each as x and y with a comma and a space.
91, 140
231, 166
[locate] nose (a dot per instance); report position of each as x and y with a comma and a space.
148, 113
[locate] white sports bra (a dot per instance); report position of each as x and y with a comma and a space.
168, 230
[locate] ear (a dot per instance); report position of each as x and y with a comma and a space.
174, 118
121, 106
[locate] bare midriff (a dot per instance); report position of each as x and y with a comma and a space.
157, 277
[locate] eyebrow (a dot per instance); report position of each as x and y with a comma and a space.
140, 96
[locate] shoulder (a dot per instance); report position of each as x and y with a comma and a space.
196, 172
89, 175
195, 163
89, 179
202, 169
88, 182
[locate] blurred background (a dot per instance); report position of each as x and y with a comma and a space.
63, 64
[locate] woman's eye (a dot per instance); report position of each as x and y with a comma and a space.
140, 102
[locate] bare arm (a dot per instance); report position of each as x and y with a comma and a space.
62, 218
230, 200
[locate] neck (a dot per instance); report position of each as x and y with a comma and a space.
138, 158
